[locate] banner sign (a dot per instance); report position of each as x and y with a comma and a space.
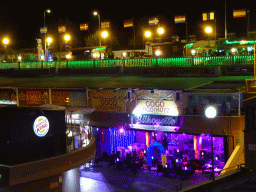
60, 98
62, 29
153, 21
43, 30
157, 120
239, 13
108, 94
180, 19
128, 24
33, 97
147, 94
208, 16
84, 27
117, 105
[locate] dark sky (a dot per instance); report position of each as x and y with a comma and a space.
21, 20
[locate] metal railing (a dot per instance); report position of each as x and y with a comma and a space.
180, 185
149, 62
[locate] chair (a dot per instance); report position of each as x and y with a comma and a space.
159, 169
105, 156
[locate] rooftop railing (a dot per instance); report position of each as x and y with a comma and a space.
149, 62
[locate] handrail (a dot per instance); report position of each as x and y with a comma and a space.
178, 186
138, 62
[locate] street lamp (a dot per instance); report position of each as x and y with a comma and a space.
208, 30
148, 35
67, 38
49, 41
46, 11
211, 113
95, 13
6, 42
160, 32
104, 34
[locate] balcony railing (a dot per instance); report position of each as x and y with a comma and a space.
149, 62
22, 173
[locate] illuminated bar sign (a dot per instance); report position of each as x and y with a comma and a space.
160, 107
157, 120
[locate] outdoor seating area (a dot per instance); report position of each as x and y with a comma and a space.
177, 165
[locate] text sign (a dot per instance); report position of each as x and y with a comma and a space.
117, 105
158, 120
157, 107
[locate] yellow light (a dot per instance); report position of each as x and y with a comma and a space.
48, 11
68, 56
95, 13
208, 30
148, 34
6, 41
158, 52
49, 40
124, 54
67, 37
104, 34
160, 30
19, 58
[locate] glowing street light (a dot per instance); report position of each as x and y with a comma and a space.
158, 53
160, 30
104, 34
49, 40
148, 34
211, 113
208, 30
67, 37
6, 41
45, 49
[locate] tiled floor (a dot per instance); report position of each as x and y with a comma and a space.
103, 178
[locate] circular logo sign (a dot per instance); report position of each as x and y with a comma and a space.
41, 126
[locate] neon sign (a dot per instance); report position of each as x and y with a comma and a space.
41, 126
160, 120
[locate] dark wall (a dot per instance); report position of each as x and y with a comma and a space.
19, 143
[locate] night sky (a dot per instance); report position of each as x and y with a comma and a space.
21, 21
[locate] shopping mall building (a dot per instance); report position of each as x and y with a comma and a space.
126, 119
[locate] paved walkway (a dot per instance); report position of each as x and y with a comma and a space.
102, 178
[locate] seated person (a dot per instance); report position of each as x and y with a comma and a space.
141, 155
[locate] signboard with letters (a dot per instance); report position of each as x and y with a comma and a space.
117, 105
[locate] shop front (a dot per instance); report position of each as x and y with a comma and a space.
157, 128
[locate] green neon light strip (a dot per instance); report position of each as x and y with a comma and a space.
239, 42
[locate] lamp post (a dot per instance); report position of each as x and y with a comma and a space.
211, 113
6, 42
96, 13
160, 32
49, 41
148, 35
208, 30
67, 39
46, 11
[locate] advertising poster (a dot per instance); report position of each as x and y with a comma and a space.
116, 105
33, 97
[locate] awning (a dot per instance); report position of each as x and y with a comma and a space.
109, 119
